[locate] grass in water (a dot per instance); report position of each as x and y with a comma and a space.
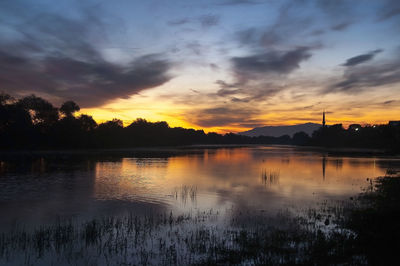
363, 230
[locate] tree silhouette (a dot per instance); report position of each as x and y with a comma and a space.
5, 99
34, 123
69, 108
301, 138
41, 111
87, 123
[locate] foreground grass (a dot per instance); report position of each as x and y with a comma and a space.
376, 221
167, 240
362, 231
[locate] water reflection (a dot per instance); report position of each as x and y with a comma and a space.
218, 179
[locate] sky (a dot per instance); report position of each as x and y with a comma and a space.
217, 65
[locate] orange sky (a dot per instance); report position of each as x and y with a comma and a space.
339, 109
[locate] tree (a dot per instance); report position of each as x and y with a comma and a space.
5, 99
69, 108
41, 111
300, 138
87, 123
15, 124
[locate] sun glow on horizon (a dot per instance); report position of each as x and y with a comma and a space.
178, 120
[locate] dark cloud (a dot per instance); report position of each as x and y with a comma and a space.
298, 18
341, 14
290, 23
244, 92
317, 32
341, 26
336, 8
178, 22
248, 36
239, 2
226, 92
389, 102
258, 77
57, 56
281, 62
90, 83
225, 85
214, 67
358, 78
195, 47
390, 9
208, 21
361, 58
241, 100
221, 116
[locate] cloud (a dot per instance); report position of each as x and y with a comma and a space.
248, 36
336, 9
390, 9
222, 116
289, 24
195, 47
298, 18
239, 2
341, 26
281, 62
225, 85
247, 91
178, 22
389, 102
227, 92
258, 77
90, 83
214, 67
58, 57
359, 59
362, 77
317, 32
294, 20
208, 21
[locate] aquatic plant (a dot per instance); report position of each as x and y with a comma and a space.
362, 230
270, 177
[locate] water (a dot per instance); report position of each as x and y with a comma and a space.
243, 179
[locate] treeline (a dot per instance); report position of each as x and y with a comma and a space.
34, 123
371, 136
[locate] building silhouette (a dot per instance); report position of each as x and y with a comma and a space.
394, 123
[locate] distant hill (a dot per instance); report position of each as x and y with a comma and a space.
277, 131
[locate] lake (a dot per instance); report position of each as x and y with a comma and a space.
226, 180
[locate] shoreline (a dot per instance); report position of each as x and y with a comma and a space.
166, 151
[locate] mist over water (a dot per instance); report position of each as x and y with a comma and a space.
227, 180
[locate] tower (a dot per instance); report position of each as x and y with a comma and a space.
323, 119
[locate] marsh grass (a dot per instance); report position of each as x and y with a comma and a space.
363, 230
184, 193
168, 239
270, 177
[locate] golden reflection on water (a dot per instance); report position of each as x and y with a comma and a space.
224, 178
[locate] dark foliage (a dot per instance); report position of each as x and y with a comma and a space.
376, 221
377, 136
34, 123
